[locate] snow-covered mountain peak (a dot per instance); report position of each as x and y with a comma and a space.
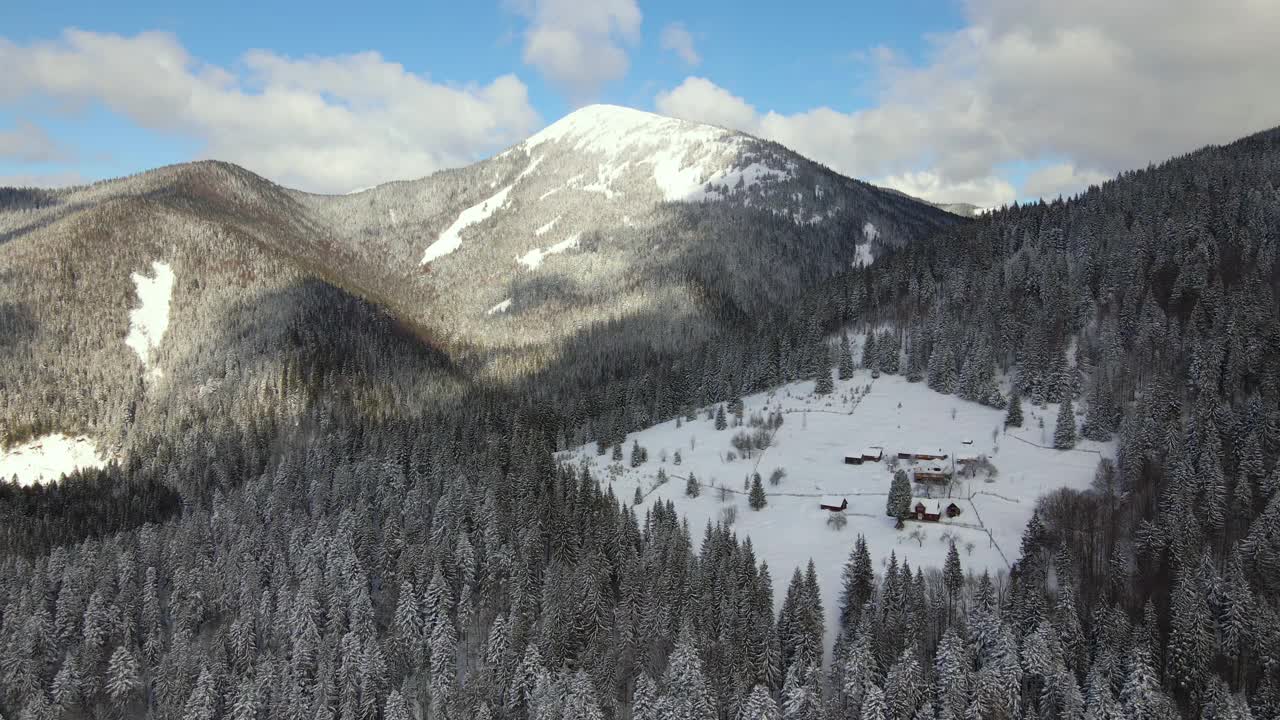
611, 129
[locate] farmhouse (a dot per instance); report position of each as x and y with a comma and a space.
930, 472
834, 503
932, 509
922, 455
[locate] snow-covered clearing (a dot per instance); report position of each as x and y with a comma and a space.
870, 232
533, 258
148, 321
451, 238
543, 230
500, 307
864, 255
810, 447
48, 458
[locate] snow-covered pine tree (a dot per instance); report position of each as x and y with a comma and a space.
857, 584
691, 487
846, 358
899, 503
1013, 418
757, 499
759, 705
1064, 433
721, 421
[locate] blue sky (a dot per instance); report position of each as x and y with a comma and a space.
970, 100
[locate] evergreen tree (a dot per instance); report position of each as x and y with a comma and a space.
645, 705
757, 499
1064, 434
123, 676
899, 503
758, 706
873, 705
1013, 418
857, 584
686, 694
846, 357
691, 487
952, 576
721, 422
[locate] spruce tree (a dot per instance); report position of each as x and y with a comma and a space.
899, 503
639, 498
857, 584
1064, 434
721, 422
617, 452
952, 576
759, 705
691, 487
757, 498
122, 674
846, 357
1013, 418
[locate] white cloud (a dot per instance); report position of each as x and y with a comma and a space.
43, 180
987, 191
579, 46
1062, 179
326, 124
676, 38
28, 143
1096, 85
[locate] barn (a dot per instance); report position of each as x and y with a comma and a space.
854, 459
834, 503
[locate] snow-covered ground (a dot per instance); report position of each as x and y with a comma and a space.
451, 238
810, 447
148, 321
48, 458
533, 258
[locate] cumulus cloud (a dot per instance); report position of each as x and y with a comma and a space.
1094, 87
579, 47
28, 143
1062, 179
676, 38
325, 124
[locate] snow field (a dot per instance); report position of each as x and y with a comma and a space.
46, 459
810, 447
148, 321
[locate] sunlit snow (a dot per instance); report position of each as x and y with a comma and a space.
148, 321
500, 307
48, 458
533, 258
451, 238
542, 230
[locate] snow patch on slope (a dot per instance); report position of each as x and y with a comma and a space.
533, 258
499, 308
543, 230
451, 238
148, 321
864, 257
870, 232
46, 459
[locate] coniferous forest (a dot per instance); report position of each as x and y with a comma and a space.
349, 527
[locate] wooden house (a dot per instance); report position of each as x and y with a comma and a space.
834, 503
854, 459
932, 509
